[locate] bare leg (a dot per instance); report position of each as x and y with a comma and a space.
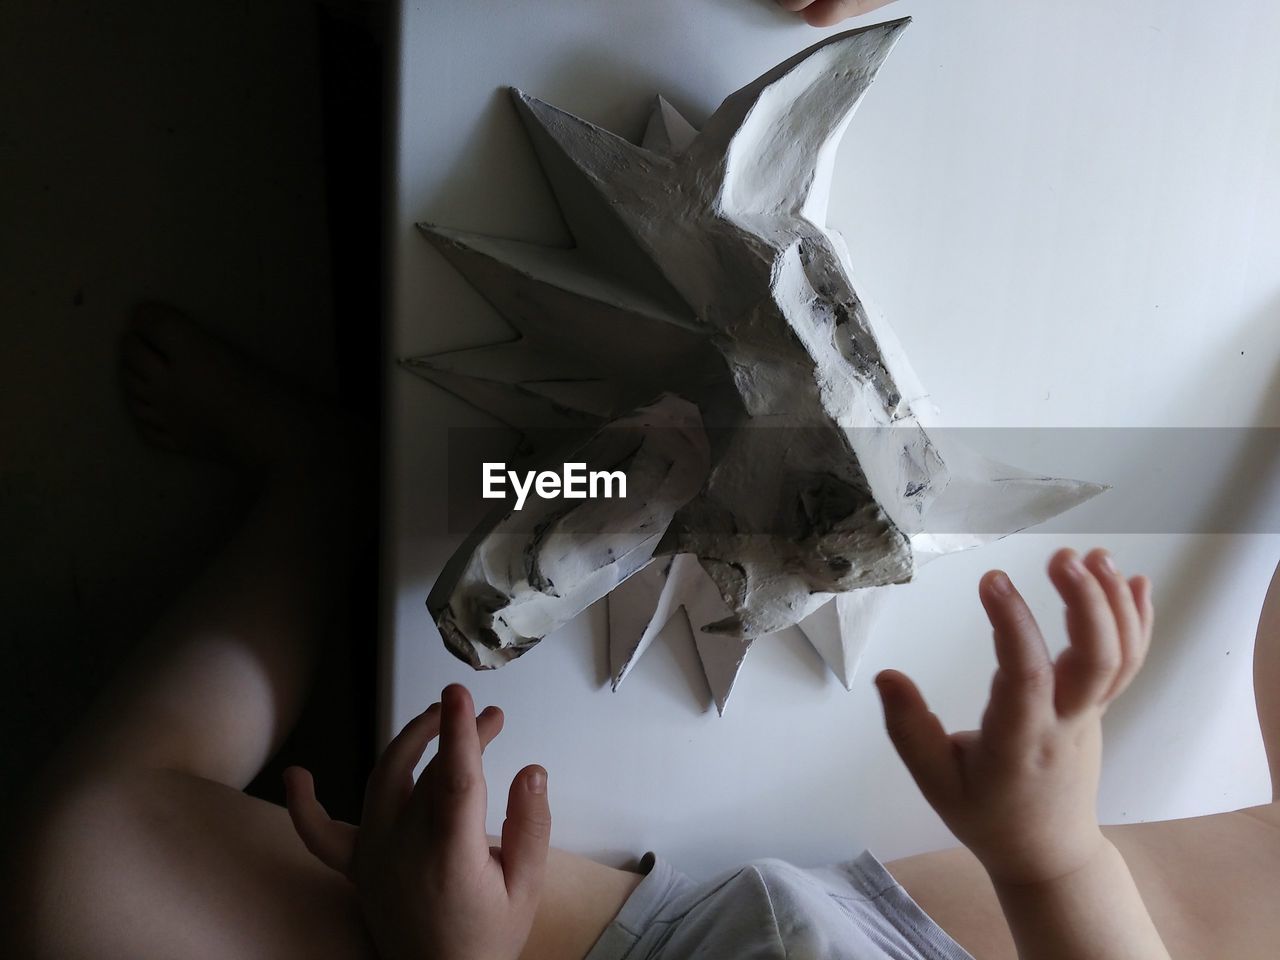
1266, 679
143, 843
221, 677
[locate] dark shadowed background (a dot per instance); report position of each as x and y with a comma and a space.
222, 156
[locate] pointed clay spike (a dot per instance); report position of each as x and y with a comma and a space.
987, 500
822, 629
609, 191
604, 161
679, 130
599, 398
737, 105
840, 630
507, 403
722, 658
574, 319
780, 133
631, 608
647, 602
513, 361
643, 606
655, 136
667, 132
553, 376
543, 277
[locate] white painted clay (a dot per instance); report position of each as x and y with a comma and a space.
703, 267
524, 573
641, 608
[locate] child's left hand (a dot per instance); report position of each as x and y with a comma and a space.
429, 881
1021, 792
827, 13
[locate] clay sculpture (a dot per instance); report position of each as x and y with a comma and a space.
705, 333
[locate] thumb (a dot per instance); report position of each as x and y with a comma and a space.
332, 842
526, 833
918, 736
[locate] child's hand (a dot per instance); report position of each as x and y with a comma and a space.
826, 13
1021, 793
428, 880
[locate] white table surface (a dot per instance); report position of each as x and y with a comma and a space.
1070, 213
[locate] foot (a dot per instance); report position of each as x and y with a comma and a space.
194, 394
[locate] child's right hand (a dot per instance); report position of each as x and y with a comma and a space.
1021, 792
827, 13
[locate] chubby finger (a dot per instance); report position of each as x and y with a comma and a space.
1140, 586
330, 841
403, 754
452, 787
1020, 647
1087, 669
1022, 691
827, 13
1125, 611
919, 738
526, 834
489, 724
391, 782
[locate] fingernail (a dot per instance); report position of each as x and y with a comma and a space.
537, 781
1000, 584
1074, 568
1109, 564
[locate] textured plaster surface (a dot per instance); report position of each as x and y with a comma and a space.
702, 265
